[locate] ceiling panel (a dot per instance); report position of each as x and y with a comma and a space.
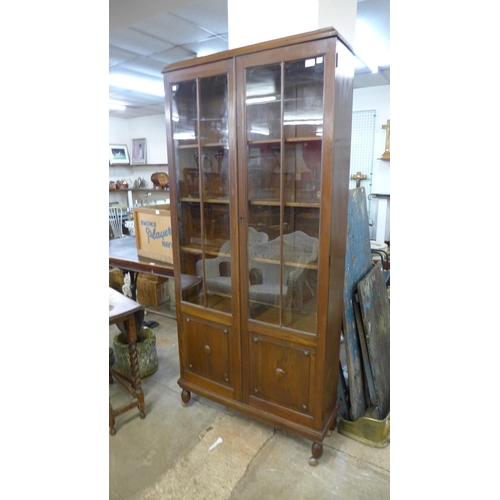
144, 65
174, 55
211, 46
148, 35
172, 28
137, 42
117, 55
211, 14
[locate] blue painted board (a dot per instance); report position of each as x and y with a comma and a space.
358, 263
375, 311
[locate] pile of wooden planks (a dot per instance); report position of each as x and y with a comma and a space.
364, 380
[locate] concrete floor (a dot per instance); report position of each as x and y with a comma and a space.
208, 452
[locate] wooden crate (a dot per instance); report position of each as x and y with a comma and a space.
153, 232
150, 289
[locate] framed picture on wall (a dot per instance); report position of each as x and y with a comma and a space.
118, 154
138, 151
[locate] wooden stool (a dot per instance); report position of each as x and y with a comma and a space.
130, 313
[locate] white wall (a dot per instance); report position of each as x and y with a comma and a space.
378, 98
151, 128
293, 19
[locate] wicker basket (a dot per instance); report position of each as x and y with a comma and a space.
150, 289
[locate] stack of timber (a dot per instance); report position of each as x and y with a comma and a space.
364, 380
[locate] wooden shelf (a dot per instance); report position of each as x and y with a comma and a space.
288, 140
222, 201
141, 165
207, 145
277, 203
141, 189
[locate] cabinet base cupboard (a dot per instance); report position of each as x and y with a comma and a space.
259, 147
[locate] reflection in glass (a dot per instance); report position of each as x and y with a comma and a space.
202, 168
263, 102
284, 191
303, 106
184, 113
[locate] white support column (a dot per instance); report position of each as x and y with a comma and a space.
263, 20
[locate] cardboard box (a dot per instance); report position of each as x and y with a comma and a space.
153, 232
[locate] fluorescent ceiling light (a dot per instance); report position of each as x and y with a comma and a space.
261, 131
369, 49
182, 136
153, 87
117, 106
253, 100
303, 122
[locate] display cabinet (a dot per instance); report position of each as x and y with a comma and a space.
259, 142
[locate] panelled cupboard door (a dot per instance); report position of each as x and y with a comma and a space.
285, 128
206, 347
282, 375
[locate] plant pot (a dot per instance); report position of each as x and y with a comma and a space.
146, 353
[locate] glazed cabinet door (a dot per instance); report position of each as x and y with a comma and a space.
281, 145
200, 122
286, 128
201, 165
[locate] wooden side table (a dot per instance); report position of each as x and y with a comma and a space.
130, 313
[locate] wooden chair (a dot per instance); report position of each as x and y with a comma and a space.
115, 223
298, 251
218, 282
128, 315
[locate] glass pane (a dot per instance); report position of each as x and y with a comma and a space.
264, 172
263, 103
284, 188
184, 121
303, 106
264, 281
300, 268
213, 110
263, 113
203, 187
214, 169
184, 113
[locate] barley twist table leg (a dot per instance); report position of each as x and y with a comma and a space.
136, 379
112, 429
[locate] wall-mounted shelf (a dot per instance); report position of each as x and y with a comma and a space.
128, 165
133, 194
141, 189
